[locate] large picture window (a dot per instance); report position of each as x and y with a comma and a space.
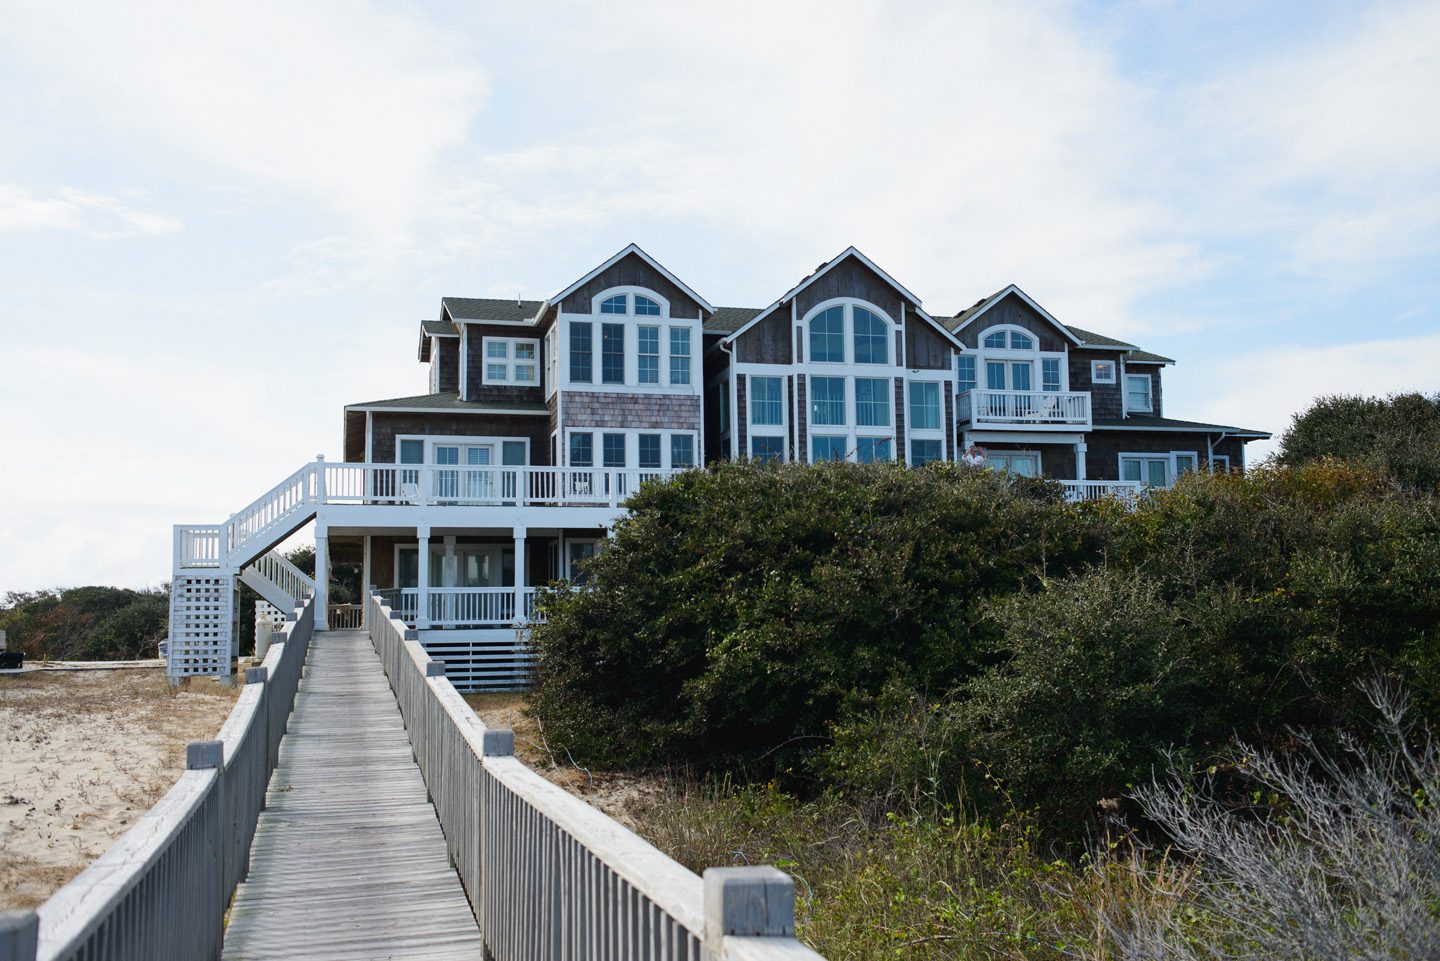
872, 402
924, 405
827, 401
766, 407
849, 333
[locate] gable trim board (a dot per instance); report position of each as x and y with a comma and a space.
790, 295
621, 255
1014, 289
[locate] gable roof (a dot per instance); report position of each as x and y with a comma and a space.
449, 402
479, 309
825, 268
968, 316
1134, 354
621, 255
728, 319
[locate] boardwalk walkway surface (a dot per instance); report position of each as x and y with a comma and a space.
348, 862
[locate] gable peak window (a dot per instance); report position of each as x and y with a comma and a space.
630, 302
645, 307
619, 304
849, 333
1008, 338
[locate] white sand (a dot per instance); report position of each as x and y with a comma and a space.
82, 755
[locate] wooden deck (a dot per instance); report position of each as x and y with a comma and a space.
348, 862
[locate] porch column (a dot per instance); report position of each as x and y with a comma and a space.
365, 583
322, 578
422, 579
520, 578
1080, 449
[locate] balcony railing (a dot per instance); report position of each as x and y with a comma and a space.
442, 485
1024, 409
463, 606
1088, 490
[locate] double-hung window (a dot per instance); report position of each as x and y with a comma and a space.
581, 352
648, 353
766, 449
924, 451
766, 407
679, 356
613, 450
1050, 374
682, 450
510, 360
871, 449
827, 401
582, 450
872, 402
612, 353
965, 368
1137, 393
650, 451
825, 447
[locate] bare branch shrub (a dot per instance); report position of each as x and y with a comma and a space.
1337, 857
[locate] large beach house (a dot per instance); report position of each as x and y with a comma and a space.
541, 417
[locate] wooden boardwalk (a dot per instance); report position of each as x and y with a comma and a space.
348, 862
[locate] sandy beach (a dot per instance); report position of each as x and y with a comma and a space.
82, 755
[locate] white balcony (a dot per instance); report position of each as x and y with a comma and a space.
1023, 410
463, 606
429, 485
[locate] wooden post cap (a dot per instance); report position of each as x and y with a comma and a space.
19, 935
434, 668
257, 675
204, 755
748, 902
498, 742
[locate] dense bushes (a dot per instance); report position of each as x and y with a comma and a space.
885, 630
1399, 434
86, 623
735, 609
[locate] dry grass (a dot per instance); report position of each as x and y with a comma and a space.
85, 753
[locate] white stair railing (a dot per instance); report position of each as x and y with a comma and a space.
277, 569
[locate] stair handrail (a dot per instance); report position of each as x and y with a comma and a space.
258, 517
276, 567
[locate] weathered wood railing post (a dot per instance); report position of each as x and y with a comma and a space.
19, 935
756, 902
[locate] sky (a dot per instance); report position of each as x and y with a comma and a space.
222, 222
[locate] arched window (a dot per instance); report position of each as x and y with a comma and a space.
827, 336
1008, 340
849, 333
645, 307
872, 338
619, 304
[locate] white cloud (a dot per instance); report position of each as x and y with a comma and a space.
95, 215
1264, 389
341, 102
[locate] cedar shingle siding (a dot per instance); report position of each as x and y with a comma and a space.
632, 271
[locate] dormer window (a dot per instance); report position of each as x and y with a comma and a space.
864, 331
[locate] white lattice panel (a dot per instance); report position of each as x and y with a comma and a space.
202, 625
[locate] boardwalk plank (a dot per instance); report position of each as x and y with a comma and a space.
348, 862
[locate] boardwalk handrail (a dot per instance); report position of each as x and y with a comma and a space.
549, 876
163, 888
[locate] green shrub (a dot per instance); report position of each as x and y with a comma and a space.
1399, 434
736, 608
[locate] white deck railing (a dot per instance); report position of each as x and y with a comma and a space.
1024, 408
461, 606
547, 875
282, 509
163, 888
1087, 490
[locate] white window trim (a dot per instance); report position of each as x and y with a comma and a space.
1023, 452
431, 441
605, 295
569, 573
1149, 407
632, 446
850, 429
926, 433
1095, 377
1217, 460
1014, 351
1171, 468
510, 361
667, 356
